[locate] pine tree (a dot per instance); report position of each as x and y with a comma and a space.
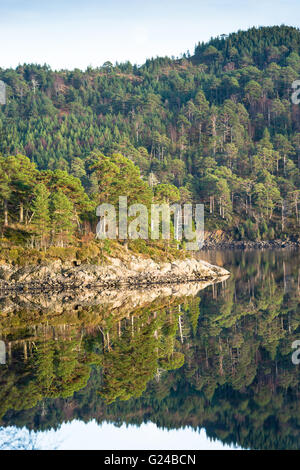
62, 217
41, 216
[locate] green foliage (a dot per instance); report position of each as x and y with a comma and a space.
40, 208
62, 215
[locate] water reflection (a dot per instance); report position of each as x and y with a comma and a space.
93, 436
219, 359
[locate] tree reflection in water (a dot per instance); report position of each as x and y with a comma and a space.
219, 360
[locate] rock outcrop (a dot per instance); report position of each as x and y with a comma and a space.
135, 272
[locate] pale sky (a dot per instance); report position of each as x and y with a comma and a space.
78, 33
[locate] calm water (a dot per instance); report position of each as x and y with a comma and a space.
211, 369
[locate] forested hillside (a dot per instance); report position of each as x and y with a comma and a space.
219, 125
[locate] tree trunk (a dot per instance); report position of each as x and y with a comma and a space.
5, 213
296, 207
21, 212
282, 216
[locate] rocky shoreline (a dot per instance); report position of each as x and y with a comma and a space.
133, 273
248, 245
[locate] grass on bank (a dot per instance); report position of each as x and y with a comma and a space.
15, 249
